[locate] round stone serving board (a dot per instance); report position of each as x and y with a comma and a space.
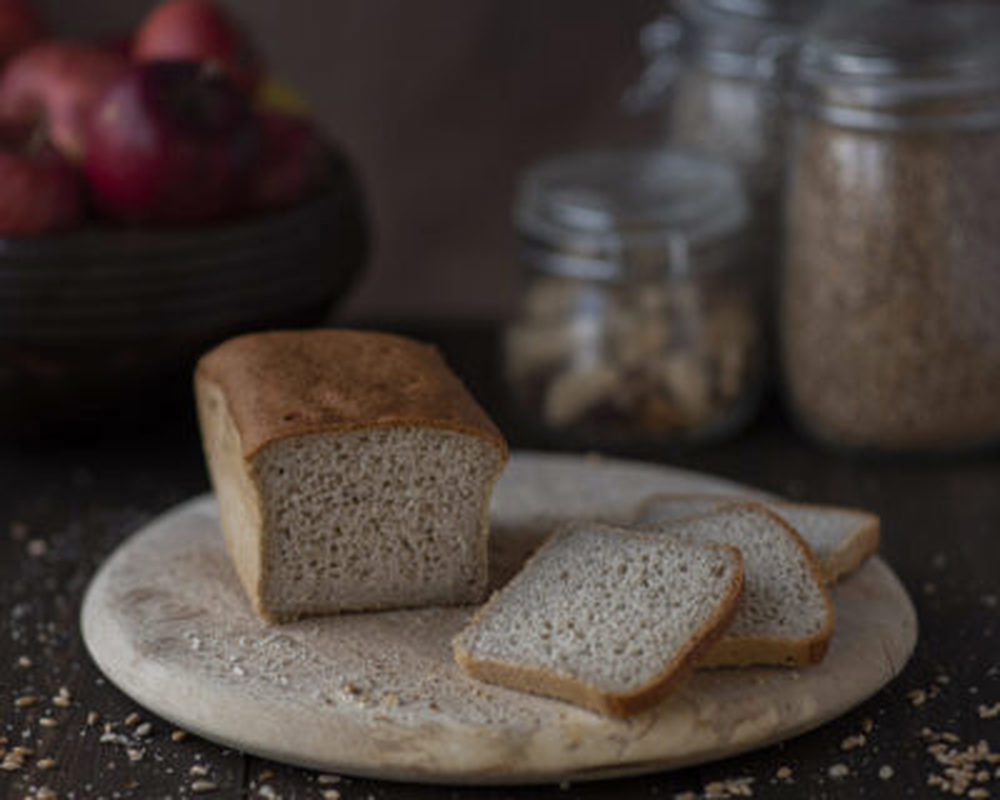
379, 695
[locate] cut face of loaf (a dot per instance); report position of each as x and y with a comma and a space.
603, 617
842, 539
352, 472
786, 616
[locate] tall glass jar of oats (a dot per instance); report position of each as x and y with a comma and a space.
890, 297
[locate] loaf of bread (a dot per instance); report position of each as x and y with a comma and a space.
786, 615
603, 617
842, 539
353, 471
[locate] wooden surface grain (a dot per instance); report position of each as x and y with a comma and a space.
65, 504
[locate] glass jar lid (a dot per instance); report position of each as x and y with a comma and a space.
900, 56
596, 210
745, 37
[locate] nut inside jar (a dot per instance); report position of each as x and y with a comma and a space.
617, 361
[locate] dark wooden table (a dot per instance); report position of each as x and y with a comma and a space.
65, 505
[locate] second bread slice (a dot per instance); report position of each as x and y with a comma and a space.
604, 617
786, 616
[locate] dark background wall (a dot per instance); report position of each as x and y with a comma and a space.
441, 102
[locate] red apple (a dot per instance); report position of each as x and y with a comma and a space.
39, 189
198, 30
293, 160
171, 141
20, 25
58, 82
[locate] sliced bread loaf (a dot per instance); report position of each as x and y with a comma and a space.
786, 616
604, 617
841, 538
352, 470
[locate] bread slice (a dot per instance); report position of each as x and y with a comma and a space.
786, 616
353, 471
603, 617
842, 539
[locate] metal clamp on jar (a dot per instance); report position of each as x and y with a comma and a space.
890, 314
639, 321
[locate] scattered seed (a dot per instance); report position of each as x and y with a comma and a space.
37, 548
867, 725
886, 772
45, 793
853, 742
989, 712
265, 775
26, 701
135, 754
132, 719
838, 771
144, 729
267, 792
917, 696
93, 718
178, 736
61, 701
978, 793
45, 763
784, 773
331, 794
198, 771
24, 662
48, 722
202, 787
328, 779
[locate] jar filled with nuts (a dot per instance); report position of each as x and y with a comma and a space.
717, 70
639, 322
890, 309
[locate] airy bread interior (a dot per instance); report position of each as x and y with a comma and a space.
785, 616
840, 538
602, 616
375, 518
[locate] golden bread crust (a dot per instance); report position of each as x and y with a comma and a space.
288, 383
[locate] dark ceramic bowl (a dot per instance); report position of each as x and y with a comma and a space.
102, 320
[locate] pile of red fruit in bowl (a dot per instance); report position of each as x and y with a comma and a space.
173, 125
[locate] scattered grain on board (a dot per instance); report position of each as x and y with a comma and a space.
203, 787
838, 771
885, 772
132, 719
178, 736
26, 701
853, 742
989, 712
